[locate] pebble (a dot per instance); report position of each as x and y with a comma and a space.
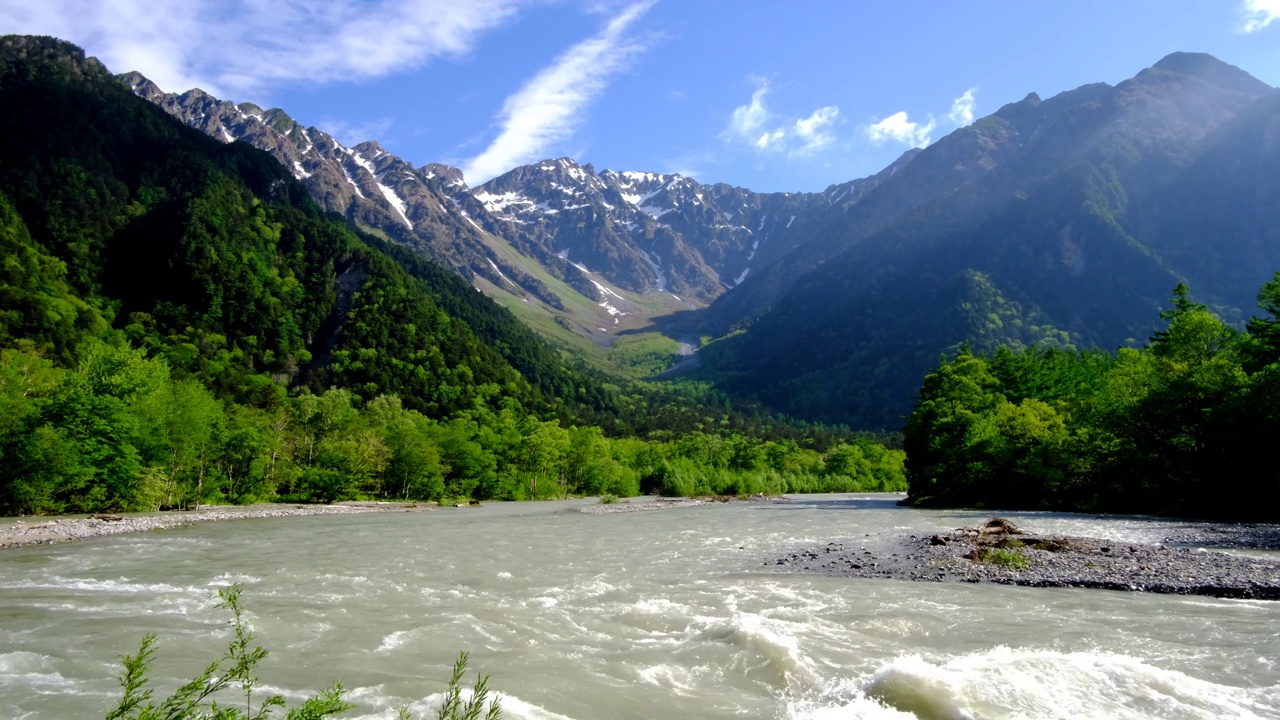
46, 532
1073, 562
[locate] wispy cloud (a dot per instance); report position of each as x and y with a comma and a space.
813, 132
241, 48
899, 128
548, 109
755, 125
962, 108
747, 121
1259, 13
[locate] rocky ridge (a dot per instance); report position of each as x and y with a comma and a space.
429, 207
639, 231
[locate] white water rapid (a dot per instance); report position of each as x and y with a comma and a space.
670, 614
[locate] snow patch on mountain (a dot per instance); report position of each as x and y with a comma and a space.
396, 202
654, 212
494, 265
605, 291
660, 278
499, 203
351, 181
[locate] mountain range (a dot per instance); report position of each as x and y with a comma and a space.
1063, 221
597, 233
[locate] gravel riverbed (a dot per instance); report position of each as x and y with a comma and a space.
45, 531
1182, 564
652, 502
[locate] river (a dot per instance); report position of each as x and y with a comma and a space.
669, 614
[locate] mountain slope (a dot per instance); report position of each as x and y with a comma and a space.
212, 255
378, 191
542, 234
650, 231
1096, 204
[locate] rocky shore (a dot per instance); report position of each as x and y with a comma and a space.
642, 504
1000, 552
40, 531
650, 503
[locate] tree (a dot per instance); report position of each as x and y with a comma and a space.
1265, 331
95, 407
178, 427
937, 437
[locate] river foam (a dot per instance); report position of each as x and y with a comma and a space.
628, 617
1042, 684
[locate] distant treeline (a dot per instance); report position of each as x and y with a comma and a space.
119, 432
1188, 425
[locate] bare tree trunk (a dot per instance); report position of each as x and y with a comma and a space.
171, 479
200, 479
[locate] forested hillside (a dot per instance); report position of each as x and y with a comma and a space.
1062, 222
180, 323
1184, 426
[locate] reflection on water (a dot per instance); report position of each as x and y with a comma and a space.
627, 616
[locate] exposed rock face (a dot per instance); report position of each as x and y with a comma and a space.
653, 231
645, 232
428, 208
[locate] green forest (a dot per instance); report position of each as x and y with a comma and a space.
180, 324
1184, 426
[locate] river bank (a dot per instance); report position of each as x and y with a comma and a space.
627, 616
648, 503
42, 531
999, 552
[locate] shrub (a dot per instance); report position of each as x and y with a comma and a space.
197, 699
608, 499
1008, 559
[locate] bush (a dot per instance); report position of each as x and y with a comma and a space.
608, 499
234, 671
197, 699
1008, 559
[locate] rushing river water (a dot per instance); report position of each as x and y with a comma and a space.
669, 614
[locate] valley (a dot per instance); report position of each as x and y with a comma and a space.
416, 362
1042, 223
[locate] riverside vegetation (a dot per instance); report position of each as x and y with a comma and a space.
236, 672
1153, 430
180, 324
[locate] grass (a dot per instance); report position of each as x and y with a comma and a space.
1008, 559
640, 354
645, 354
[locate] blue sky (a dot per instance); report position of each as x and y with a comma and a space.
769, 95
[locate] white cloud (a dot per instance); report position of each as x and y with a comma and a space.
962, 109
755, 125
1259, 13
813, 131
898, 128
747, 120
549, 107
239, 48
773, 140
